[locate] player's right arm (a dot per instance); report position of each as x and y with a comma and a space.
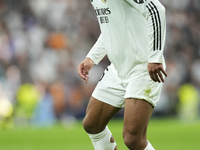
95, 55
98, 51
84, 67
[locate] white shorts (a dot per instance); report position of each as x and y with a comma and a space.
110, 91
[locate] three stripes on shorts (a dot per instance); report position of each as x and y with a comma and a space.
156, 25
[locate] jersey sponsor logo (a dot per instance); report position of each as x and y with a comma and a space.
104, 19
103, 14
156, 25
102, 11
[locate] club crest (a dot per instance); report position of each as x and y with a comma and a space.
104, 1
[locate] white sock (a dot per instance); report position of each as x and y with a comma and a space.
149, 146
102, 140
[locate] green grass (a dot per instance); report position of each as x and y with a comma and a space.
174, 135
166, 134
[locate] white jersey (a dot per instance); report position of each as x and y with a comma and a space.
132, 34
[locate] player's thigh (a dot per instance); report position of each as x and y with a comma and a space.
107, 99
98, 114
136, 117
110, 91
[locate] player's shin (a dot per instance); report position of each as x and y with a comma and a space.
103, 140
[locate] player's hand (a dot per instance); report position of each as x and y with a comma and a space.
83, 69
156, 72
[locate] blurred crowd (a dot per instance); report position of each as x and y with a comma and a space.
43, 41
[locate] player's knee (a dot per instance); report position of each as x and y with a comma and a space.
130, 141
87, 125
91, 126
133, 141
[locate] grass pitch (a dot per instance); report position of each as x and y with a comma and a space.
165, 134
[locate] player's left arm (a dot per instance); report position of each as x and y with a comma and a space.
154, 12
155, 15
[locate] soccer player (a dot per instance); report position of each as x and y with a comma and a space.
133, 37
